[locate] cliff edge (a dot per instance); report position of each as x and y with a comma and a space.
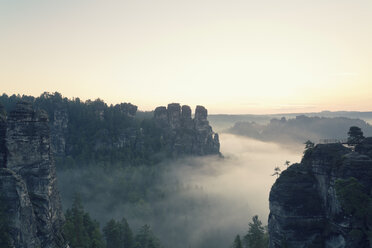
324, 201
28, 181
183, 135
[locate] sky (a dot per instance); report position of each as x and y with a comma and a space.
239, 57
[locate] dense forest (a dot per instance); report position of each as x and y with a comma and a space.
84, 232
116, 160
91, 132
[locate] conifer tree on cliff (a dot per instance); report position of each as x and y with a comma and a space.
355, 135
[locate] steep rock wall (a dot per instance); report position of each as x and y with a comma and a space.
183, 135
28, 180
305, 210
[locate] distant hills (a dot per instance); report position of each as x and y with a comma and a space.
221, 122
300, 129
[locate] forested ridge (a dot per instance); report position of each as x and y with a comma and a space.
113, 160
92, 132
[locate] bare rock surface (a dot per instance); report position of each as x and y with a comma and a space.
183, 135
28, 179
305, 209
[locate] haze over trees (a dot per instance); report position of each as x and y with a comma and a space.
83, 232
120, 183
298, 130
256, 236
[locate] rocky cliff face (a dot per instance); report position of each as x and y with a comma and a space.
59, 132
306, 208
64, 133
2, 137
28, 180
183, 135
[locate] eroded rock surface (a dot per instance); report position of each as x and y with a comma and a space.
183, 135
28, 180
305, 209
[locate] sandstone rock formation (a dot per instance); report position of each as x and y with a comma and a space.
91, 132
59, 132
28, 180
127, 109
305, 206
183, 135
2, 137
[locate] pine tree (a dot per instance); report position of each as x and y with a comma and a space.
237, 242
255, 238
309, 145
355, 135
276, 171
80, 230
118, 234
146, 239
287, 163
127, 234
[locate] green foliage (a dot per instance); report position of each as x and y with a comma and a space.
80, 230
146, 239
357, 203
237, 242
255, 238
309, 146
118, 234
5, 240
97, 133
353, 198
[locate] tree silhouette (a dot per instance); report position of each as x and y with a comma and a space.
255, 237
276, 171
355, 135
237, 242
287, 162
309, 144
118, 234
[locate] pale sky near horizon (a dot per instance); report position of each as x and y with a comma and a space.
232, 56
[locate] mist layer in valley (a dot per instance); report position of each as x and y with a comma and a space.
222, 122
295, 131
191, 202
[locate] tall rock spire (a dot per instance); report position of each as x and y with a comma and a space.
30, 171
183, 135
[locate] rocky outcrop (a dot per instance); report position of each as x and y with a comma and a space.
305, 205
92, 132
59, 127
182, 135
2, 137
28, 180
127, 109
19, 209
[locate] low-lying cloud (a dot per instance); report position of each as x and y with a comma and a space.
196, 202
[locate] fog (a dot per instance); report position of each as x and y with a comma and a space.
296, 131
191, 202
